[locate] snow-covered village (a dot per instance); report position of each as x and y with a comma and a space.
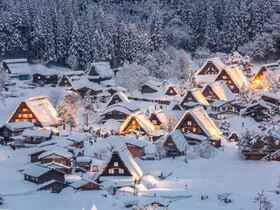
139, 105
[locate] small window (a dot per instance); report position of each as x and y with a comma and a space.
116, 164
194, 129
111, 171
189, 123
121, 171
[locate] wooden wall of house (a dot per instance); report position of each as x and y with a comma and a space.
115, 115
147, 89
209, 69
116, 165
23, 113
189, 125
171, 148
57, 159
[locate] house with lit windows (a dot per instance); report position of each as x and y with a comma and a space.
121, 169
138, 123
262, 80
196, 121
37, 110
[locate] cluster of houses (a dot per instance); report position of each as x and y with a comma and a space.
160, 120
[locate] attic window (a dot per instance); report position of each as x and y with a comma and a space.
116, 164
121, 171
189, 123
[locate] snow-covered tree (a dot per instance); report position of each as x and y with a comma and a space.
132, 76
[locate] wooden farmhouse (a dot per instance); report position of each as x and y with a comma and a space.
159, 119
116, 112
37, 136
18, 68
137, 147
122, 167
193, 98
37, 110
100, 71
85, 185
171, 90
65, 81
138, 123
43, 79
197, 121
209, 71
233, 137
272, 99
117, 98
57, 158
40, 174
86, 88
217, 91
259, 111
151, 87
234, 78
9, 130
53, 186
261, 79
222, 108
175, 144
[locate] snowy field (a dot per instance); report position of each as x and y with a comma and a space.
225, 173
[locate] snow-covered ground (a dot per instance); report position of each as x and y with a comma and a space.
225, 173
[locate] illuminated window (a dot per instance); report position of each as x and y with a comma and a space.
189, 123
20, 116
111, 171
25, 115
194, 129
225, 77
25, 110
116, 164
121, 171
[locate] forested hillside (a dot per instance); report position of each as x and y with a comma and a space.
79, 31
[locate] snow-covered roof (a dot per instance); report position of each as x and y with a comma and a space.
237, 76
121, 96
19, 68
204, 121
195, 136
179, 139
199, 97
43, 110
81, 182
57, 151
103, 69
117, 108
122, 140
222, 91
35, 170
15, 60
85, 83
142, 120
129, 162
218, 63
13, 126
37, 133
